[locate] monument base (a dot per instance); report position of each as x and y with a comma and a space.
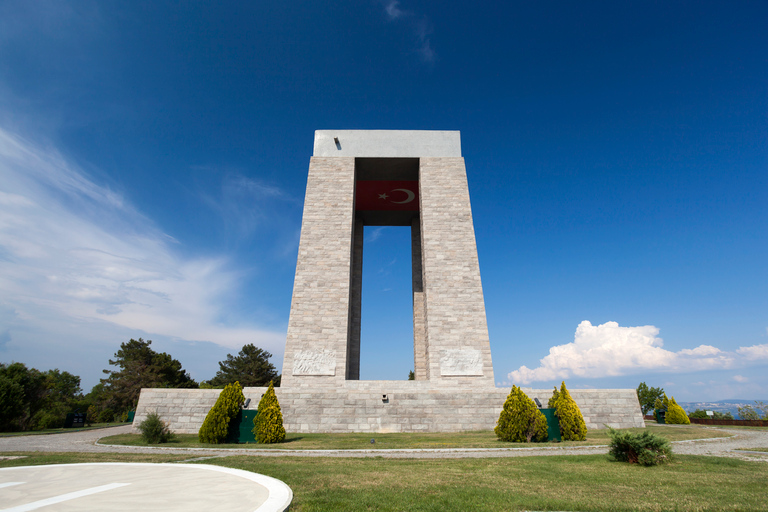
387, 406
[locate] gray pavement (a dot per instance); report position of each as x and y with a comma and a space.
146, 487
86, 441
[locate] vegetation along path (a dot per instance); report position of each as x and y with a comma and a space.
736, 445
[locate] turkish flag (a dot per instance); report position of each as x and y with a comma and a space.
387, 196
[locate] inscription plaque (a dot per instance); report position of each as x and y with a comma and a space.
313, 362
461, 362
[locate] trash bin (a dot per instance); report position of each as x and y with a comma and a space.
74, 420
661, 415
553, 424
241, 429
131, 415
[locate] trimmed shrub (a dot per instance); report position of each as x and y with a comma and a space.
268, 423
675, 414
216, 425
645, 448
553, 399
154, 430
520, 420
658, 404
572, 425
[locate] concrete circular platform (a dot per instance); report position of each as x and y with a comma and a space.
146, 487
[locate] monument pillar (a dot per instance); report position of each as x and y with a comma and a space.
387, 178
318, 326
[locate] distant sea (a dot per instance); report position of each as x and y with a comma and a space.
731, 406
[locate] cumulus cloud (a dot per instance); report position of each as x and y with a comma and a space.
71, 248
612, 350
755, 351
740, 378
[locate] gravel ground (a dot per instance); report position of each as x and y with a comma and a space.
86, 441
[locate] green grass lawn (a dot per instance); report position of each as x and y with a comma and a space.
585, 483
61, 430
362, 441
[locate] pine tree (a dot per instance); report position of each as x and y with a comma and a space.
520, 420
268, 423
572, 425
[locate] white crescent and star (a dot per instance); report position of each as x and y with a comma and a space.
411, 196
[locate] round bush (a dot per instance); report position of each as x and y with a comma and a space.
154, 430
645, 448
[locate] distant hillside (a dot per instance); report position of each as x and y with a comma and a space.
731, 406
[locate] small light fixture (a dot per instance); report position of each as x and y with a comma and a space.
384, 398
537, 402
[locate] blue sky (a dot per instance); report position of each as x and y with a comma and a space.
153, 161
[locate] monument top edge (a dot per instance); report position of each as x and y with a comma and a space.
387, 143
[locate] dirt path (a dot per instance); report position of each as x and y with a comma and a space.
85, 441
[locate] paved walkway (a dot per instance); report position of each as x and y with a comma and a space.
117, 487
85, 441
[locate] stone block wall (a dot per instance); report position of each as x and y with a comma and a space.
410, 406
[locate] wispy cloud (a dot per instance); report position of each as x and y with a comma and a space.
612, 350
73, 249
420, 26
392, 8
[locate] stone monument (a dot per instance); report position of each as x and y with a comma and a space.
387, 178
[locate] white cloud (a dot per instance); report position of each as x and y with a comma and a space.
611, 350
420, 26
70, 248
739, 378
755, 351
392, 8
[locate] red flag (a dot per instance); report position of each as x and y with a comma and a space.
387, 196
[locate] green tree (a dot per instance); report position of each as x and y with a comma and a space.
647, 397
22, 394
748, 412
251, 368
217, 422
31, 399
675, 414
140, 367
268, 423
716, 415
572, 425
60, 396
552, 404
520, 420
